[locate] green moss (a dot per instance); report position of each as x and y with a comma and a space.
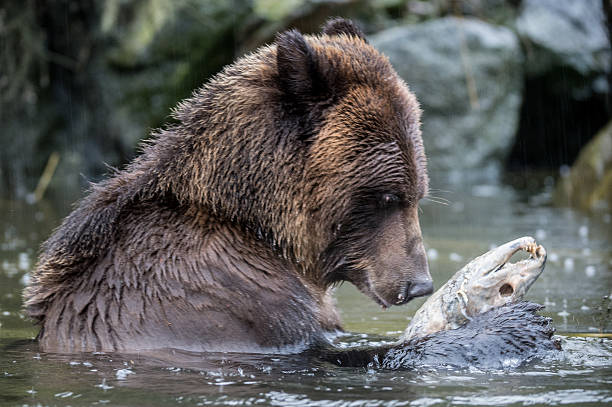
276, 10
588, 185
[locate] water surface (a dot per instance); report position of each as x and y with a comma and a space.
575, 287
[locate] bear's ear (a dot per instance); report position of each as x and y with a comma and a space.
337, 26
298, 68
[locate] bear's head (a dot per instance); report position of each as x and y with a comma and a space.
314, 145
365, 168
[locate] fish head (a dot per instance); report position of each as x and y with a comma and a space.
491, 280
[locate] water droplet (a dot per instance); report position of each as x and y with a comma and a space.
485, 191
24, 261
122, 374
104, 386
432, 254
455, 257
590, 271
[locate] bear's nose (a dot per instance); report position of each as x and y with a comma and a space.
420, 288
415, 289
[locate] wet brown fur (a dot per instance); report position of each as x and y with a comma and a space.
229, 229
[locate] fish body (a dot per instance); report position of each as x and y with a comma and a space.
487, 282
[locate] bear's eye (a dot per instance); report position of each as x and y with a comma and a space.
390, 199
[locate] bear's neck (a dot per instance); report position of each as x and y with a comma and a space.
241, 169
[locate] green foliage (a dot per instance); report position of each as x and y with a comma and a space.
276, 10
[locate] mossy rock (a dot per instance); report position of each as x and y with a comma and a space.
588, 185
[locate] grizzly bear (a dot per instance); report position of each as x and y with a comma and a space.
295, 168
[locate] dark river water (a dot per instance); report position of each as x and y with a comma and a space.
576, 288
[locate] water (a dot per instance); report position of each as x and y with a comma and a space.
577, 278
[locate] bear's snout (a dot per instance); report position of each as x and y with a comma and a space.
414, 290
420, 288
400, 271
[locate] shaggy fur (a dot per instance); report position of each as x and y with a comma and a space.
296, 167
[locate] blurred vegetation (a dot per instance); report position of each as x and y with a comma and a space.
88, 79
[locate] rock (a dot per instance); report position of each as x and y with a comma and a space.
564, 33
588, 185
566, 98
500, 12
467, 75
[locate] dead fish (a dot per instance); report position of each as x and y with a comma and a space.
487, 282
